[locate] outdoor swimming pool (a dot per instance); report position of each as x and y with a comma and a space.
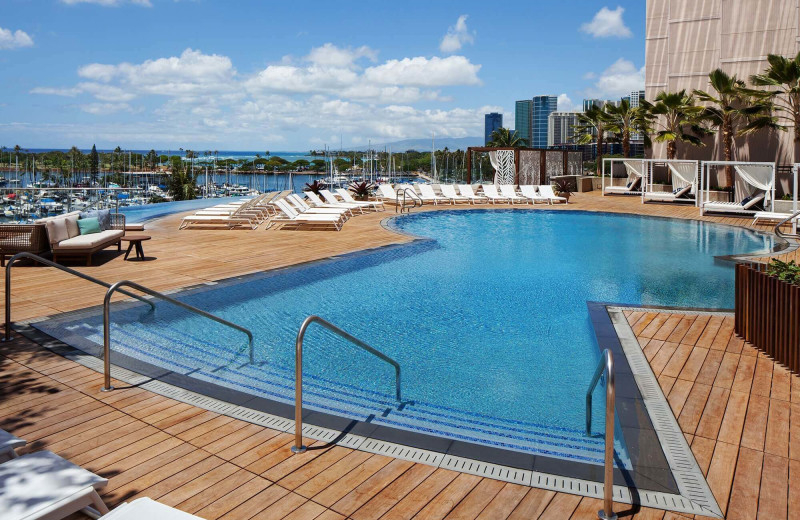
488, 319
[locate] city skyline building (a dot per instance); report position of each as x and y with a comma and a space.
542, 107
491, 122
522, 119
561, 128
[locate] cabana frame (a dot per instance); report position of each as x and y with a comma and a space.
611, 161
648, 186
705, 180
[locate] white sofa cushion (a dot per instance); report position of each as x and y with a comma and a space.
57, 230
89, 241
72, 226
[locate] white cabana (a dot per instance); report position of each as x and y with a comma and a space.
636, 170
754, 185
684, 175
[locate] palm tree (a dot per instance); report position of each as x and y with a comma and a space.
735, 111
592, 125
505, 138
674, 117
624, 121
784, 75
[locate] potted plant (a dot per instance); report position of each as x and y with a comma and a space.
361, 190
563, 188
315, 187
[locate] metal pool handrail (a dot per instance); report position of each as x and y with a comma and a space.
606, 366
298, 372
780, 233
412, 195
107, 332
50, 263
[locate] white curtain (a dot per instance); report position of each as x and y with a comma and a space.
752, 177
503, 164
633, 171
683, 174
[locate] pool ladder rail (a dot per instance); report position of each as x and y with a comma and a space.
112, 288
298, 371
408, 194
605, 368
780, 224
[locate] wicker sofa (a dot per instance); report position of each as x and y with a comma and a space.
75, 244
22, 238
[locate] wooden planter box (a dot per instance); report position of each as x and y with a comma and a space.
768, 314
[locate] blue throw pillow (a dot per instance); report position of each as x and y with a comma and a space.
87, 226
676, 191
746, 200
102, 215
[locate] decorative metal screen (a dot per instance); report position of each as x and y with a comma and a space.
529, 167
575, 163
503, 162
555, 164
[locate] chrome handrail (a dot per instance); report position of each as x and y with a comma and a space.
412, 195
50, 263
107, 332
298, 372
606, 366
780, 233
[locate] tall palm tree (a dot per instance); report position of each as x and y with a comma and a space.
675, 117
505, 138
783, 75
592, 126
735, 110
624, 121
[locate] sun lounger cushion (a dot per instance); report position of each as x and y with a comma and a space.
146, 508
88, 241
37, 484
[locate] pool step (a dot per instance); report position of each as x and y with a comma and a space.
186, 352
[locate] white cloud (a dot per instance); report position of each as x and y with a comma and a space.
607, 23
565, 104
14, 40
618, 80
427, 72
329, 55
105, 108
109, 3
457, 35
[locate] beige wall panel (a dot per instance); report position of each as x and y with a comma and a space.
692, 62
759, 43
688, 82
758, 15
744, 69
656, 8
694, 36
693, 9
656, 26
655, 74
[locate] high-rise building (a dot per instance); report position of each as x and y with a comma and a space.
491, 122
542, 107
522, 120
561, 128
589, 103
685, 40
635, 97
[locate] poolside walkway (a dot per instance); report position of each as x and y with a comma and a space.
739, 410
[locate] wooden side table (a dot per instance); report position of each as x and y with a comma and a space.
135, 242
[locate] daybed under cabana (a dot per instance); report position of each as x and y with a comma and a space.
635, 169
684, 174
754, 187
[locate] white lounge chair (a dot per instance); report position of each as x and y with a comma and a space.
668, 196
449, 192
331, 199
427, 195
466, 191
509, 191
545, 190
43, 485
529, 192
490, 190
303, 208
770, 216
746, 206
8, 446
346, 197
290, 216
218, 220
147, 509
386, 193
631, 188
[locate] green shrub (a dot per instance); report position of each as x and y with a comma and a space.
787, 271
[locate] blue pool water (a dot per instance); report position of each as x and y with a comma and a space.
151, 211
488, 321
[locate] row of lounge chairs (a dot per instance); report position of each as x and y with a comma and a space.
489, 194
43, 485
284, 209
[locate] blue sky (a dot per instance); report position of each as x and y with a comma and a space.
239, 74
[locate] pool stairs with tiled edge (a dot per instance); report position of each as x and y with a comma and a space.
140, 341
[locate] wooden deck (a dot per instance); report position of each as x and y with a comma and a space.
739, 410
